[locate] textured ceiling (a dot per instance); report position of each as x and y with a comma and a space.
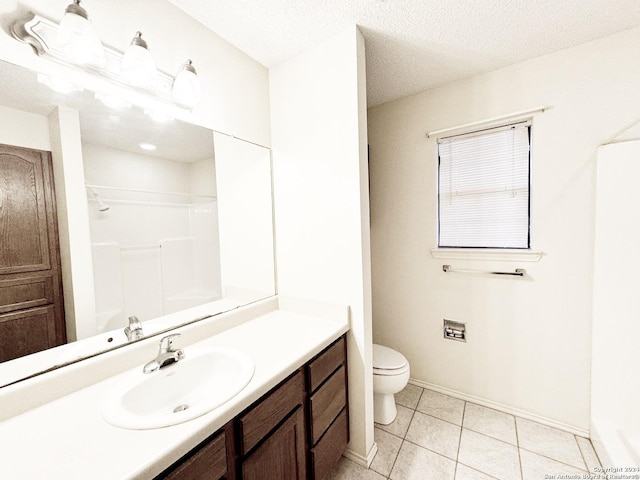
413, 45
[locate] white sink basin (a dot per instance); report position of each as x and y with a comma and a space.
202, 381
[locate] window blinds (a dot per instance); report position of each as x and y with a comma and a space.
483, 188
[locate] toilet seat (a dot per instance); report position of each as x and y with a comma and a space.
387, 361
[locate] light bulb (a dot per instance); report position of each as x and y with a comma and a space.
78, 39
186, 86
137, 66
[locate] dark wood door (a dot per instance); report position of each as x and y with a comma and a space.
31, 302
282, 455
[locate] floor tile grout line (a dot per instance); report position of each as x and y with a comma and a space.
594, 452
491, 436
397, 454
403, 440
464, 410
439, 418
419, 398
430, 450
584, 460
515, 426
386, 431
395, 460
393, 464
586, 464
554, 459
455, 467
479, 471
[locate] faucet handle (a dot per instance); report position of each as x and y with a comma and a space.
166, 343
133, 331
134, 322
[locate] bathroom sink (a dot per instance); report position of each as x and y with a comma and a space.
202, 381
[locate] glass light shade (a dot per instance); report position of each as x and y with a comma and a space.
186, 86
137, 66
78, 39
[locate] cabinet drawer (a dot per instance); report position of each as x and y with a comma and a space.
25, 291
327, 403
325, 363
282, 455
207, 462
262, 418
326, 454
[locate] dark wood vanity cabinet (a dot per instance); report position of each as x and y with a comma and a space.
208, 461
328, 430
272, 434
31, 302
297, 431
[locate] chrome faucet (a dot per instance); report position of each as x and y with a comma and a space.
166, 355
134, 330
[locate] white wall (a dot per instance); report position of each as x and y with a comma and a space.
529, 341
246, 218
319, 155
73, 222
616, 321
24, 129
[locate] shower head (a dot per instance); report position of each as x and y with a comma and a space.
102, 207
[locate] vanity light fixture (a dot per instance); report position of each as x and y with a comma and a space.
186, 86
133, 72
78, 38
137, 65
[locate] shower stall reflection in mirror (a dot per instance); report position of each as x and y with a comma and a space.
156, 247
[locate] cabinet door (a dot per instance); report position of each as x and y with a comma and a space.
26, 331
267, 413
282, 455
207, 462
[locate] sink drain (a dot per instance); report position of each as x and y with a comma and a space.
180, 408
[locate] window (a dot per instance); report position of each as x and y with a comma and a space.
483, 188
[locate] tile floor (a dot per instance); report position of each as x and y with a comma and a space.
439, 437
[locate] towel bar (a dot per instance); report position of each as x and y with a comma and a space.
520, 272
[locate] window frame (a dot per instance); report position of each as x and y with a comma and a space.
444, 251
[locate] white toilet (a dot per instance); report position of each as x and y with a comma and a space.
390, 375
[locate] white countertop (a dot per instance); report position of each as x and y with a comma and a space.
68, 439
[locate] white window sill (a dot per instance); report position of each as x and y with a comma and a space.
487, 254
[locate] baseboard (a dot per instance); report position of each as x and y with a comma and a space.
359, 459
502, 408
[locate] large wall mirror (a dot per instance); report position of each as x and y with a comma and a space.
179, 218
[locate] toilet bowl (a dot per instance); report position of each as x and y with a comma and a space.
390, 375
